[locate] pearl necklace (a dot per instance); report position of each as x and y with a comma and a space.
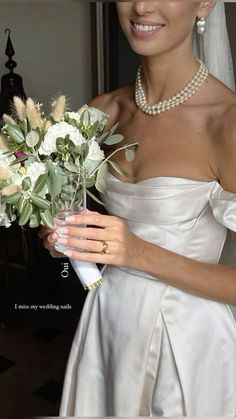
189, 90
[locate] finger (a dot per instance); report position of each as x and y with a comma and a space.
81, 245
91, 219
56, 254
86, 233
52, 238
53, 252
105, 259
43, 232
50, 241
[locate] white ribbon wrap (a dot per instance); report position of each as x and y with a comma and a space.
88, 274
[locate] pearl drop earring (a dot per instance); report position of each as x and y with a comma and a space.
201, 26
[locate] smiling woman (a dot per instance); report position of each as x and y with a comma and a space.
140, 347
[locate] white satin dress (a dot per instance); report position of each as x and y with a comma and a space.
143, 347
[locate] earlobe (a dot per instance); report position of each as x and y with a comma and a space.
206, 8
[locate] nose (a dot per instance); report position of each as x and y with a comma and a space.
143, 7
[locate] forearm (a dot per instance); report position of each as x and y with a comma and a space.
216, 282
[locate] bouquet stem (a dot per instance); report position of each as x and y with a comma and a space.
88, 274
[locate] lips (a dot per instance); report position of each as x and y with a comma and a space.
144, 28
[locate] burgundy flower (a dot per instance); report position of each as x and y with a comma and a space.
20, 155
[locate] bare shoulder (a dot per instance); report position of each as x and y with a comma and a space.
227, 122
114, 102
223, 105
225, 137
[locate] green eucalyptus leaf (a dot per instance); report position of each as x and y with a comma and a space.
15, 133
55, 180
47, 218
60, 141
55, 206
84, 150
71, 146
30, 160
21, 204
26, 184
72, 122
9, 211
41, 137
121, 170
71, 167
100, 184
65, 197
67, 139
40, 202
114, 128
68, 189
129, 155
14, 198
100, 140
90, 182
34, 219
90, 165
40, 183
32, 138
26, 214
61, 145
114, 139
85, 118
25, 126
94, 129
94, 198
77, 162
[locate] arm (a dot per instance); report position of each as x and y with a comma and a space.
225, 147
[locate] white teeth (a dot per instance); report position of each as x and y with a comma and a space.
147, 28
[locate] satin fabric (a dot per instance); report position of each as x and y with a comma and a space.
143, 347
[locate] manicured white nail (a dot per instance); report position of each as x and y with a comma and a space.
61, 240
68, 253
70, 219
62, 230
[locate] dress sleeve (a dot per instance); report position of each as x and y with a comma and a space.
223, 204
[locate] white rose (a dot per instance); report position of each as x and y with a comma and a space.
5, 169
34, 170
94, 157
95, 152
95, 115
5, 159
16, 179
4, 219
74, 115
60, 130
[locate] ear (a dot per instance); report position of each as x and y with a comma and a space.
205, 8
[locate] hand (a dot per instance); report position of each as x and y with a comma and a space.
49, 238
123, 247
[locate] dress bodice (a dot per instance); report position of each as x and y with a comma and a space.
186, 216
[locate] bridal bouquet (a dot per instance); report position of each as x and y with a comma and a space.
39, 152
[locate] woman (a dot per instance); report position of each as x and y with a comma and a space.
158, 337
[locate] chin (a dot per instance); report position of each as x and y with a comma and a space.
145, 50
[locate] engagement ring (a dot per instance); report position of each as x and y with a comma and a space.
105, 248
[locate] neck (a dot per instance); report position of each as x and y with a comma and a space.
165, 75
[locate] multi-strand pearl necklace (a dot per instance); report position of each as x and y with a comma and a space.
189, 90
